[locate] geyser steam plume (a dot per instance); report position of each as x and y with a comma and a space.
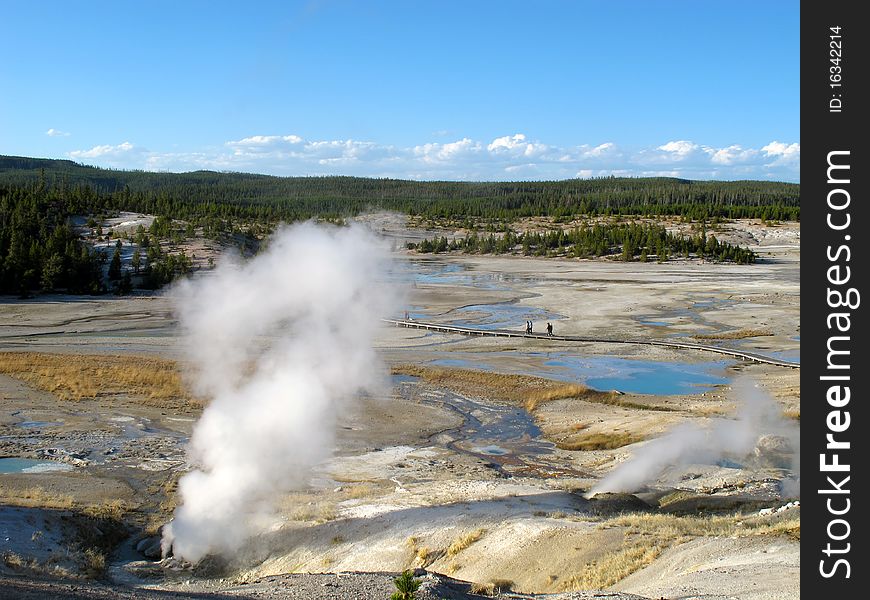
757, 416
278, 345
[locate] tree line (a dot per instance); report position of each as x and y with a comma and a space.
628, 241
203, 194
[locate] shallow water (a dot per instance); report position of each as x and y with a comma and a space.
613, 373
654, 323
433, 271
793, 356
30, 465
640, 376
38, 424
506, 434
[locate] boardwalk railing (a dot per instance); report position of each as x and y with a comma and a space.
749, 356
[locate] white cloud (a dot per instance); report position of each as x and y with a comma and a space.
782, 154
680, 149
434, 152
106, 151
57, 133
507, 157
602, 149
508, 142
264, 144
517, 145
732, 155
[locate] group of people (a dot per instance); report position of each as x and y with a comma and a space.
529, 326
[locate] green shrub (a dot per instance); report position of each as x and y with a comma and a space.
406, 586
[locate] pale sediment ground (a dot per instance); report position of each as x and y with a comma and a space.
427, 477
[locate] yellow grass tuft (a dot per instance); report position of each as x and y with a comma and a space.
668, 526
482, 589
464, 541
493, 587
613, 567
110, 509
737, 334
35, 497
364, 490
93, 563
650, 534
73, 377
601, 441
794, 413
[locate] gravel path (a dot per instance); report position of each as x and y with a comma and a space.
341, 586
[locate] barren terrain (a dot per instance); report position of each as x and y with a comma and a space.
457, 470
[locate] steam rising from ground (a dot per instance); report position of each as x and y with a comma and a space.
278, 345
757, 419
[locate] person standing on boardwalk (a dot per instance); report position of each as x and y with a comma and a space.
549, 329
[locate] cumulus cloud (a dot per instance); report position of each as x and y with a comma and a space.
514, 156
602, 150
679, 147
517, 145
106, 150
435, 152
733, 154
782, 154
123, 155
260, 144
57, 133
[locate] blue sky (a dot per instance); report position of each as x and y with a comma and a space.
428, 90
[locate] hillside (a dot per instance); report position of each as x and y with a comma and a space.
300, 197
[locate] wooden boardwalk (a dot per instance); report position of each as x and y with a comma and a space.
748, 356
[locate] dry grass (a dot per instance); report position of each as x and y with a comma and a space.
424, 555
13, 560
35, 497
666, 526
794, 413
650, 534
614, 567
482, 589
737, 334
601, 441
358, 492
73, 377
110, 509
464, 541
318, 513
93, 563
493, 587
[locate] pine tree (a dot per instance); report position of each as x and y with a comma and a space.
115, 265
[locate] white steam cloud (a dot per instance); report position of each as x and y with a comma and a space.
278, 345
757, 427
